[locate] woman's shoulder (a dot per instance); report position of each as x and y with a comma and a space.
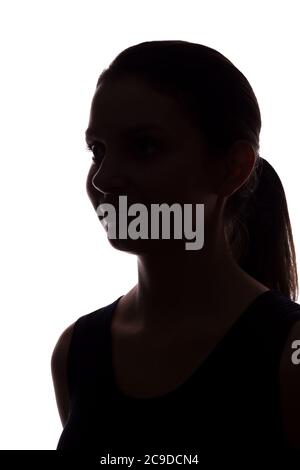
59, 371
77, 337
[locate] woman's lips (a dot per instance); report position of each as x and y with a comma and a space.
114, 201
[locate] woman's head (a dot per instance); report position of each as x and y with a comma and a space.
205, 124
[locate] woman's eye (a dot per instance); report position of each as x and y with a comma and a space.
93, 147
146, 143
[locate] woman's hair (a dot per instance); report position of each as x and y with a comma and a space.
218, 99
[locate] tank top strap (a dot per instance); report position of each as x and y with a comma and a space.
88, 351
274, 316
266, 329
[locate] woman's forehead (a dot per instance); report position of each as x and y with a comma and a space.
125, 104
132, 96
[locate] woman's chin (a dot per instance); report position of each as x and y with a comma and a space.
140, 246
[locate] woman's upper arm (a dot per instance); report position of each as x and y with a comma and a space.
290, 386
59, 372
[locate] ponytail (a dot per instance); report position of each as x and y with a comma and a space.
260, 232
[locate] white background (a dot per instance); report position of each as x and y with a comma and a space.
56, 262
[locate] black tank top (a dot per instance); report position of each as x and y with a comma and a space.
232, 400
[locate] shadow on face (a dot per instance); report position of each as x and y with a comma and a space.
144, 147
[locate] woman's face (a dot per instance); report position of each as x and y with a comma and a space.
144, 148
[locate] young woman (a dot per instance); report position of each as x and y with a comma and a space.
200, 354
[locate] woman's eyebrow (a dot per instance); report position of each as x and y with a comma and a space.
90, 134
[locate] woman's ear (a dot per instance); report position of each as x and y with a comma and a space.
240, 161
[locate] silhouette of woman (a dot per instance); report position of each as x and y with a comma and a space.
197, 355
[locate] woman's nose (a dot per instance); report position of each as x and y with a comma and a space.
108, 177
